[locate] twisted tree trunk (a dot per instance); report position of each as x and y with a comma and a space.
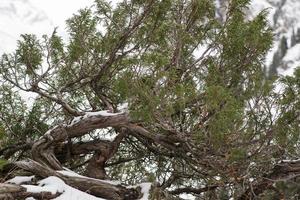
45, 162
93, 186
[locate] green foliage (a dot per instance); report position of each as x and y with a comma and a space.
82, 27
57, 48
237, 155
18, 123
226, 111
29, 52
288, 122
2, 132
3, 163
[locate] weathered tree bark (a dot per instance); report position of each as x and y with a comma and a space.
101, 150
43, 149
96, 165
12, 192
94, 187
45, 162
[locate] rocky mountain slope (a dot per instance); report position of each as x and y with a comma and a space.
284, 18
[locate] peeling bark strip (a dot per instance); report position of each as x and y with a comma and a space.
94, 187
43, 149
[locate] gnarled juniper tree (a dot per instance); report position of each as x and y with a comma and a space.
200, 117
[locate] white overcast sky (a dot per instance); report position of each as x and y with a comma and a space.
60, 10
34, 16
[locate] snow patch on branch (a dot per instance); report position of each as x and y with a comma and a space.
103, 113
145, 187
123, 107
56, 185
71, 173
20, 179
290, 161
51, 184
